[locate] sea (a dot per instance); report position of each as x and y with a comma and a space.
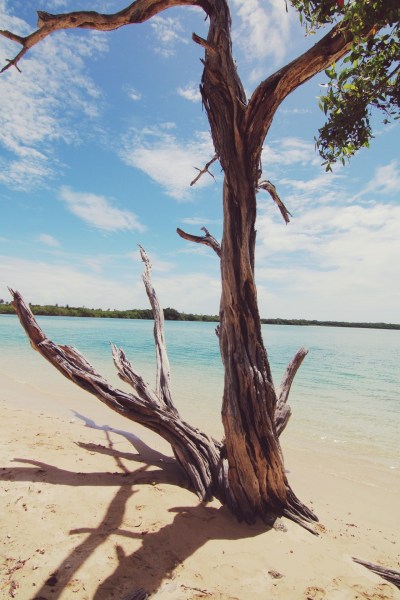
345, 398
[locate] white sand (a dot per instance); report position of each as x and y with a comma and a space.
94, 514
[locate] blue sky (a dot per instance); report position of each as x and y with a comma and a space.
99, 139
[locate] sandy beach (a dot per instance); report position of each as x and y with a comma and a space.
93, 507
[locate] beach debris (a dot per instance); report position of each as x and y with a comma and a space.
315, 593
196, 589
18, 565
279, 525
13, 588
275, 574
389, 574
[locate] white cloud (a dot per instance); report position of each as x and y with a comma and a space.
337, 261
295, 111
262, 31
200, 221
386, 180
169, 32
289, 151
39, 105
61, 283
168, 161
190, 92
48, 240
133, 94
55, 4
97, 211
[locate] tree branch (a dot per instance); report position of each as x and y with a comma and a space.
197, 453
283, 411
272, 91
388, 574
207, 239
137, 12
163, 376
271, 189
205, 170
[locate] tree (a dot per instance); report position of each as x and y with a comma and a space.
246, 470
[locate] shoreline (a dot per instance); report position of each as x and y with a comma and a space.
173, 315
94, 512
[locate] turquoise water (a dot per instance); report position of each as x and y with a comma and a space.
345, 396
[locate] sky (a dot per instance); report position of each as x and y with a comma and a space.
101, 135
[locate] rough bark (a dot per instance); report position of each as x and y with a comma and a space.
256, 483
389, 574
283, 411
198, 454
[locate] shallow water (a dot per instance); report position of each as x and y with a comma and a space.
345, 397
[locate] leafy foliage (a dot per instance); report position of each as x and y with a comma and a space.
367, 79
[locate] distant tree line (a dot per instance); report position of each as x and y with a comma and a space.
54, 310
171, 314
330, 323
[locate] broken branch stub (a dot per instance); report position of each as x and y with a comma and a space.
283, 411
207, 239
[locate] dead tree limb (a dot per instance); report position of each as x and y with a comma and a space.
204, 170
198, 454
389, 574
163, 375
271, 189
283, 410
137, 12
207, 239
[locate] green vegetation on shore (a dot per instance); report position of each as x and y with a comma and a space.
171, 314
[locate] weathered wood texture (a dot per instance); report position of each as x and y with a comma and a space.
256, 482
389, 574
198, 454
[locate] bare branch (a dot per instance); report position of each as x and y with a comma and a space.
127, 374
283, 410
389, 574
272, 91
207, 239
137, 12
271, 189
205, 170
163, 376
198, 454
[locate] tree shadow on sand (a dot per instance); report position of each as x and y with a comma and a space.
160, 552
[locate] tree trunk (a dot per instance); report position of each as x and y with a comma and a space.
254, 484
257, 480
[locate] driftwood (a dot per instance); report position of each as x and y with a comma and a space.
202, 458
196, 452
388, 574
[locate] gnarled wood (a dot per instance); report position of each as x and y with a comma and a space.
163, 376
271, 189
283, 410
198, 454
207, 239
137, 12
253, 414
389, 574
